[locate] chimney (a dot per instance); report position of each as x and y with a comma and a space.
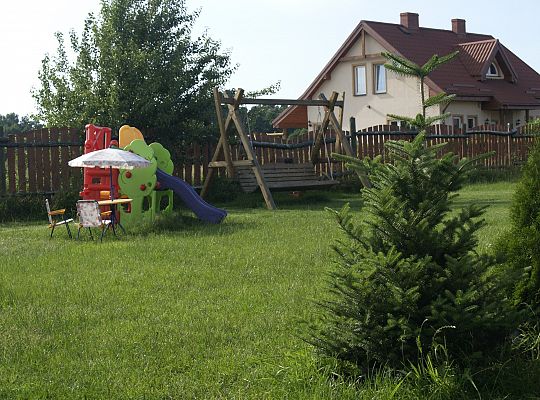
458, 26
409, 20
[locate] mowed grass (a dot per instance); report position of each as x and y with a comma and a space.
197, 311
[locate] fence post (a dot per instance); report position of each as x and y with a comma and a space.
509, 149
352, 129
3, 139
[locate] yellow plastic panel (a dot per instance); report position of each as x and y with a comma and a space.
128, 134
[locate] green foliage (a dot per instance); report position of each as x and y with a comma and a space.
137, 63
521, 246
435, 373
271, 89
534, 126
404, 67
409, 268
297, 134
258, 119
32, 207
223, 190
421, 122
490, 175
22, 208
261, 117
360, 166
11, 123
528, 339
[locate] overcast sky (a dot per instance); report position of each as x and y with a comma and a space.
271, 40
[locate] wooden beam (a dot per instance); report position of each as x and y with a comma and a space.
363, 43
222, 146
341, 110
223, 129
233, 111
370, 57
340, 119
284, 102
339, 131
210, 174
322, 129
237, 163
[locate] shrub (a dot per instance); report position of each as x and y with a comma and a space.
521, 246
223, 190
32, 207
22, 208
489, 175
409, 268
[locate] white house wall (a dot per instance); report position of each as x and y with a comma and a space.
467, 109
402, 95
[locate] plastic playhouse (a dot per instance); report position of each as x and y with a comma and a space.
151, 189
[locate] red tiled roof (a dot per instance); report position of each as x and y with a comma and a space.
463, 76
473, 55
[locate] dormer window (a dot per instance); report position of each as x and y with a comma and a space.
493, 71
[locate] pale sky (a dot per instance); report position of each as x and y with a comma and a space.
271, 40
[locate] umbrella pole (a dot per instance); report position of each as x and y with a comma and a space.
113, 208
111, 194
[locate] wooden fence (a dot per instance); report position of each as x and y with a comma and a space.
511, 148
36, 162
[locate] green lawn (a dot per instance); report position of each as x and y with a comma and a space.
197, 311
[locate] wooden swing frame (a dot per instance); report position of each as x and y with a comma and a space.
233, 103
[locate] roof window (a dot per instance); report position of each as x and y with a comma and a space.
493, 71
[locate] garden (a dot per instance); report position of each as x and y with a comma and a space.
416, 277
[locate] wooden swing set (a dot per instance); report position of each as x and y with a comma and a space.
273, 176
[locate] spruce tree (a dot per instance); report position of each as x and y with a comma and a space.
407, 273
401, 66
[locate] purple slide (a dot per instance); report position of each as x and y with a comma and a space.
189, 196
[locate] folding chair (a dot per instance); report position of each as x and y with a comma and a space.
90, 216
54, 222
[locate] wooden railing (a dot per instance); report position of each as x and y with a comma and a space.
36, 162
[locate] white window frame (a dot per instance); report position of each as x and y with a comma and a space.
496, 74
376, 70
358, 90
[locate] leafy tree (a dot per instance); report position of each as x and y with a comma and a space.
11, 123
408, 272
136, 63
402, 66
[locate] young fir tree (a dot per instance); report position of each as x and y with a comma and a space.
404, 67
408, 272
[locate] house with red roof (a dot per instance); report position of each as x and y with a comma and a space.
493, 86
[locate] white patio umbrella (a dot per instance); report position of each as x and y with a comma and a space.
111, 158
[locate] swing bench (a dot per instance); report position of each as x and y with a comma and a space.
272, 176
283, 177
